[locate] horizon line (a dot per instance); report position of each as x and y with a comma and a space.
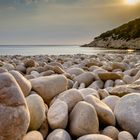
40, 44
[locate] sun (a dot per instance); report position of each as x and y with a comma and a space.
131, 2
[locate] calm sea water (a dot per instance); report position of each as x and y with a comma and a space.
55, 50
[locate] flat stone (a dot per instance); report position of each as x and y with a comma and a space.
109, 76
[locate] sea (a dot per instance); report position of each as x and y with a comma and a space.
56, 50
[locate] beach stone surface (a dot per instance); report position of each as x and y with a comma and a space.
128, 114
103, 93
37, 111
58, 115
33, 135
8, 66
119, 82
128, 79
125, 89
49, 86
109, 83
124, 135
111, 132
13, 109
21, 68
24, 84
88, 91
83, 120
98, 84
118, 65
109, 76
29, 63
59, 134
90, 97
3, 70
75, 71
94, 137
70, 97
56, 64
44, 128
86, 77
138, 137
111, 101
105, 114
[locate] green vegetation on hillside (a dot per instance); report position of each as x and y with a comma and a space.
130, 30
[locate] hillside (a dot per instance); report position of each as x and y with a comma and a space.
125, 36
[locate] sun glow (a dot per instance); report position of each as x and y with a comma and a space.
131, 2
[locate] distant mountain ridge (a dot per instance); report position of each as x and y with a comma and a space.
123, 37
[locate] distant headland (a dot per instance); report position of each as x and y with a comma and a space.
126, 36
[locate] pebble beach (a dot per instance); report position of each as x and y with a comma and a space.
70, 97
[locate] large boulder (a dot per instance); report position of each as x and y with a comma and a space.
127, 113
94, 137
58, 134
24, 84
37, 111
83, 120
33, 135
14, 114
49, 86
58, 115
105, 114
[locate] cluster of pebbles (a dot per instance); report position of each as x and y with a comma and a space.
70, 97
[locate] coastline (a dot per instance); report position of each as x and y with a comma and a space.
109, 42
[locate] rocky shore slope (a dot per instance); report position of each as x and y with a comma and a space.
126, 36
70, 97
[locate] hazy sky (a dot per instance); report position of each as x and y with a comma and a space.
61, 21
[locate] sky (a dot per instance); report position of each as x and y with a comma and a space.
56, 22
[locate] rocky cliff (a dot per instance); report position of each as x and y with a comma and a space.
123, 37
